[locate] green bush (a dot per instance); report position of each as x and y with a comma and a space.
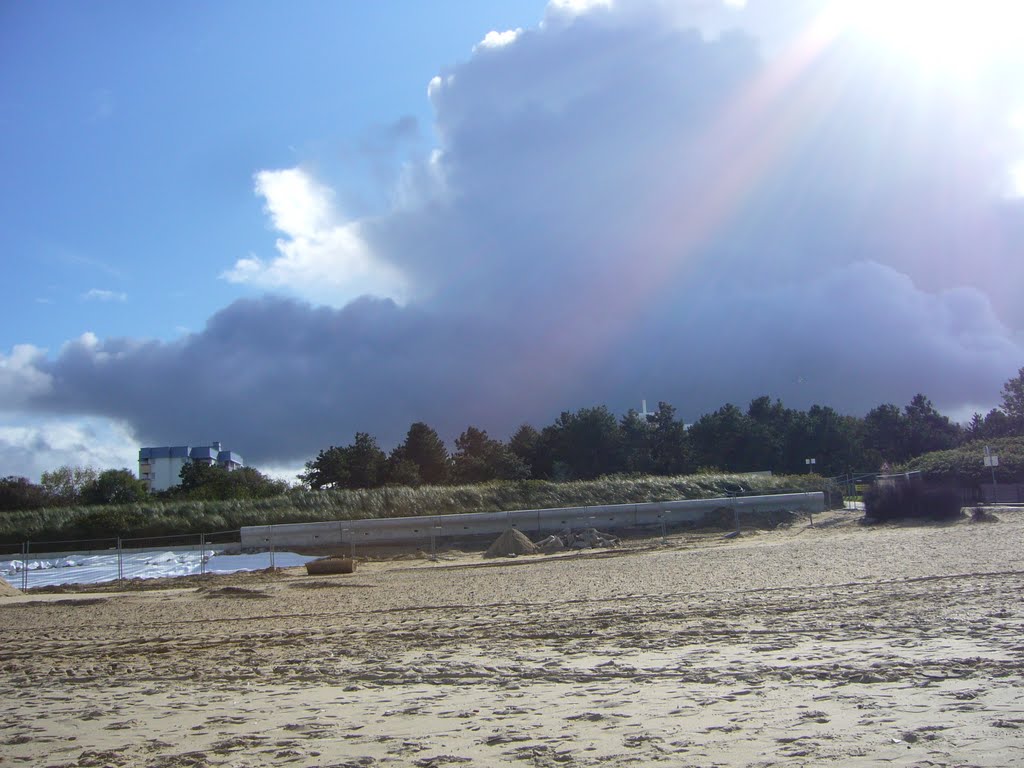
964, 465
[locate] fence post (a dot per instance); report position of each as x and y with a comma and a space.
433, 545
120, 561
24, 567
202, 554
346, 533
271, 547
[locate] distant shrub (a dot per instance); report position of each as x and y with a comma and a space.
17, 493
899, 501
964, 465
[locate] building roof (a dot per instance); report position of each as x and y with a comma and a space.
210, 452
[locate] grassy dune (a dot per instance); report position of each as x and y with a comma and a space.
160, 518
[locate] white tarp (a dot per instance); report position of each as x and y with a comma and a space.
50, 570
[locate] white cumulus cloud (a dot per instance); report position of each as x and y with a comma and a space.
495, 39
320, 257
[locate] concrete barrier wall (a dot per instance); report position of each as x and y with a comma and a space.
533, 522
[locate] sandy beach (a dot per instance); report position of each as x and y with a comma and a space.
837, 644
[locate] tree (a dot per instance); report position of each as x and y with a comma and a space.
586, 443
722, 440
115, 486
64, 485
1013, 402
366, 462
425, 449
885, 434
359, 465
637, 437
996, 424
771, 431
928, 429
18, 493
199, 480
250, 483
670, 446
656, 444
327, 470
479, 458
208, 482
831, 440
401, 471
527, 446
975, 429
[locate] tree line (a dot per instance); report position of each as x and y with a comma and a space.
69, 486
579, 445
591, 442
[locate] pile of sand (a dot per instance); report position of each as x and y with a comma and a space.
511, 542
6, 590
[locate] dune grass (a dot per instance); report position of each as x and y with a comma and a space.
166, 518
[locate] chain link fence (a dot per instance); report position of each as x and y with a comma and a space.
33, 564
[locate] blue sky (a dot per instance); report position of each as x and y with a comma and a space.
275, 224
132, 132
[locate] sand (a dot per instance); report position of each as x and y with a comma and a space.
511, 543
833, 645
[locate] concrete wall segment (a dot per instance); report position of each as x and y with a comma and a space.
533, 522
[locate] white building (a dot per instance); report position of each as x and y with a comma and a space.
161, 467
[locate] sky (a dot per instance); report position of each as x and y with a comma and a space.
276, 224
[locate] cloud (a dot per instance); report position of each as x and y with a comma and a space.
320, 256
21, 377
278, 379
28, 450
264, 372
569, 9
620, 206
495, 39
99, 294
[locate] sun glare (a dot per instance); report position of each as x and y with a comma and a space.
953, 37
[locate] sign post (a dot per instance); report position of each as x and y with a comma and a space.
991, 461
810, 468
